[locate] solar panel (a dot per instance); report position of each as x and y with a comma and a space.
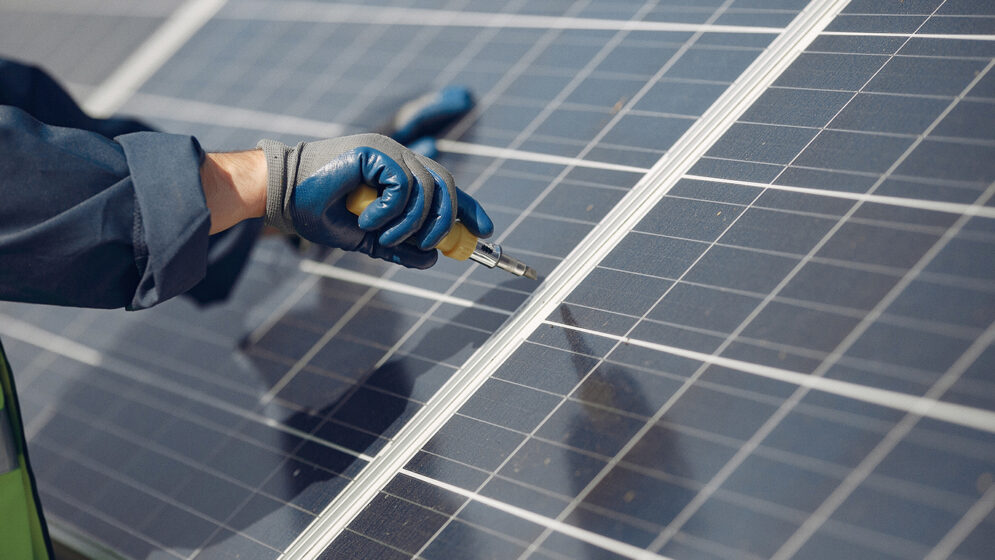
786, 353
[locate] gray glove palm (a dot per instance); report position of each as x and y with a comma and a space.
418, 204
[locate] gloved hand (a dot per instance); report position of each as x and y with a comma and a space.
419, 202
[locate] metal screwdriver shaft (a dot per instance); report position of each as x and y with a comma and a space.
458, 244
491, 255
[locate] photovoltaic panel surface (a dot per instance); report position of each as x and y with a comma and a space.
601, 421
665, 406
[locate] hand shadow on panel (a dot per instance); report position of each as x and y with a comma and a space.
285, 468
607, 389
373, 403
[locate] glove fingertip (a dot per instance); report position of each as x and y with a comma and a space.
375, 216
473, 216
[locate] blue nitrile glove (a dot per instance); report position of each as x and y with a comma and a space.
419, 202
429, 114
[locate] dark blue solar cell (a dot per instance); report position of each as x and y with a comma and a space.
961, 162
473, 442
460, 540
544, 368
876, 23
446, 470
418, 527
589, 428
797, 107
851, 151
506, 404
830, 71
797, 487
907, 518
689, 219
640, 496
305, 485
899, 114
697, 410
654, 332
671, 451
680, 97
799, 327
921, 75
524, 495
908, 347
552, 467
655, 255
626, 389
764, 229
734, 525
740, 269
834, 285
352, 545
584, 317
605, 93
648, 132
580, 202
270, 522
826, 543
762, 143
713, 64
864, 243
574, 340
226, 545
704, 307
969, 119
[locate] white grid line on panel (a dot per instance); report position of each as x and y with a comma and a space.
150, 56
385, 15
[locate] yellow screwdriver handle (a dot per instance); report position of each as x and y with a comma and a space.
458, 244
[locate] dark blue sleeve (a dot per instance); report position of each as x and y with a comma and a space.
89, 221
30, 88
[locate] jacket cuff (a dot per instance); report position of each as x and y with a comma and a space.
172, 222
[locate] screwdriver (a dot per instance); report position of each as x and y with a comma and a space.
458, 244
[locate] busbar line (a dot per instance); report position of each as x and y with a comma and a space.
600, 541
950, 36
329, 271
318, 12
471, 149
150, 56
962, 415
642, 198
957, 208
188, 110
57, 344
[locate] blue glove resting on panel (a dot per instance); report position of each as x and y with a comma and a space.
418, 204
429, 115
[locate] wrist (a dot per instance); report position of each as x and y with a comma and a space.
234, 187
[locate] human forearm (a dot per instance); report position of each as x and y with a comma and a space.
234, 187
